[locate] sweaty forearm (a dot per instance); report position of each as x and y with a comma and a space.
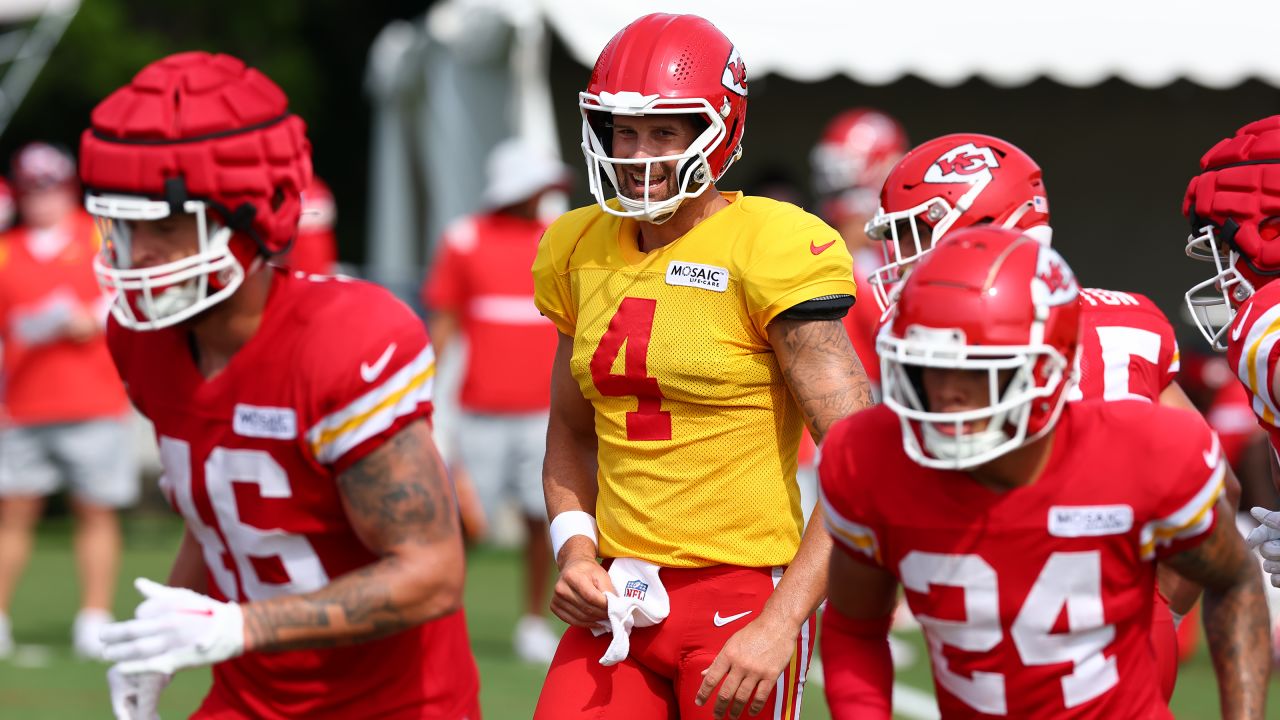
385, 597
1235, 623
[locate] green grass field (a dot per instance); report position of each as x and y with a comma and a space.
43, 681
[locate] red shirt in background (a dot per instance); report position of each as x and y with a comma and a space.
1227, 405
482, 275
49, 380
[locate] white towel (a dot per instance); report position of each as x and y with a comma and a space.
643, 603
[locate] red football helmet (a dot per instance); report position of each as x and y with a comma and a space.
1234, 209
201, 134
950, 182
991, 300
851, 160
665, 65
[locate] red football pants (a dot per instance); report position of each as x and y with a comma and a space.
662, 674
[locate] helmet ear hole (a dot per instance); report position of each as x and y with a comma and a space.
602, 126
1269, 229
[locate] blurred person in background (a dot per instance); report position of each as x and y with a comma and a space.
315, 250
8, 212
67, 412
480, 290
321, 569
850, 163
8, 208
1213, 389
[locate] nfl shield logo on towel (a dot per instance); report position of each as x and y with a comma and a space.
635, 589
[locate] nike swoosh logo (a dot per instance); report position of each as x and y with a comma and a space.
371, 372
1235, 331
722, 621
818, 249
1211, 455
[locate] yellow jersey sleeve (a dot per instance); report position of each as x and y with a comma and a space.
552, 289
794, 257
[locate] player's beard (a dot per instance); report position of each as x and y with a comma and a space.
631, 182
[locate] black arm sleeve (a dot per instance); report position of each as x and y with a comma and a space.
827, 307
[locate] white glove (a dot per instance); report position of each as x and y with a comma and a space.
134, 697
1266, 538
174, 628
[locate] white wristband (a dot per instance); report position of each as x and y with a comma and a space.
570, 523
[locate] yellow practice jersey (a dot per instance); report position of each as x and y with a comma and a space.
697, 428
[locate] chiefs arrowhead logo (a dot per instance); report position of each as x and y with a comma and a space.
735, 74
1054, 284
962, 164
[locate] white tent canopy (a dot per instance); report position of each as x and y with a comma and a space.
1149, 43
487, 62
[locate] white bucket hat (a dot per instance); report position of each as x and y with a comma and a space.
517, 171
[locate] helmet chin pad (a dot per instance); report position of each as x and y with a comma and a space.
957, 448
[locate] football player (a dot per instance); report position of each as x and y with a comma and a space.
1235, 223
699, 331
855, 153
1023, 527
322, 566
1127, 345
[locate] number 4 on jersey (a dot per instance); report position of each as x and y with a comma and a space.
632, 326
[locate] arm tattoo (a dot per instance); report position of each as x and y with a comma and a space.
821, 369
401, 506
1235, 617
387, 490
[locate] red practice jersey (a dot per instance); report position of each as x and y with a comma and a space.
1253, 349
1036, 602
251, 458
1127, 347
482, 275
52, 379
